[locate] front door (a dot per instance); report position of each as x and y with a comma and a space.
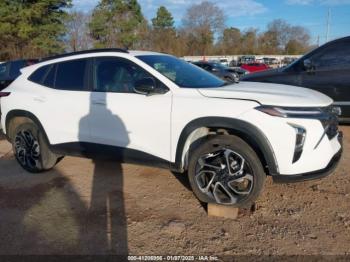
330, 74
121, 118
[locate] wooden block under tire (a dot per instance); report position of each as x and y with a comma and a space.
215, 210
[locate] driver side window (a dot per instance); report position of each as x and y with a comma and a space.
118, 75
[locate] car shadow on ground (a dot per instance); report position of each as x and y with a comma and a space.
68, 224
2, 136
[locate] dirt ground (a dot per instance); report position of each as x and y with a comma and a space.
87, 207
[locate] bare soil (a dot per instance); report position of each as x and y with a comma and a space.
98, 207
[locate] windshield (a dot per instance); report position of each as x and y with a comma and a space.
182, 73
220, 66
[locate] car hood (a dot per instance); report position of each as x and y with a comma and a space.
270, 94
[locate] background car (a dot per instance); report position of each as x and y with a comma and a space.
221, 71
255, 67
325, 69
246, 59
10, 70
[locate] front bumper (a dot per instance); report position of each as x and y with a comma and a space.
316, 174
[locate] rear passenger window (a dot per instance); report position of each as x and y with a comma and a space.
71, 75
38, 75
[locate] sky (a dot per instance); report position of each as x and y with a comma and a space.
245, 14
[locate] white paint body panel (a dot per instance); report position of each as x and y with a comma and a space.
153, 124
271, 94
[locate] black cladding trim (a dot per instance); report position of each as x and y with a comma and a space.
251, 134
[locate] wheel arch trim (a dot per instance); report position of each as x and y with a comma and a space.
253, 133
22, 113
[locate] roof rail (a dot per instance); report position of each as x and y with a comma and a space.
100, 50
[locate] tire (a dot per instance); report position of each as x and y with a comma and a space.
229, 79
214, 181
31, 149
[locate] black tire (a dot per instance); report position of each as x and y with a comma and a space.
229, 79
213, 149
31, 149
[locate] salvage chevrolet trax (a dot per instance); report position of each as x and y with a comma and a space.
154, 109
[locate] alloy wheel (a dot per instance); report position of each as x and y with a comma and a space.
225, 176
27, 149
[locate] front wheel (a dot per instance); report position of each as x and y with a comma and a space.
226, 170
32, 150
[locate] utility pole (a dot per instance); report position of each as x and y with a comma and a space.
328, 24
318, 40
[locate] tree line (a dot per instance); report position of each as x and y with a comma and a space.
37, 28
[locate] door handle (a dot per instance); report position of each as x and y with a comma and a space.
99, 102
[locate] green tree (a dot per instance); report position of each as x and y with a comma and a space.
116, 23
32, 27
163, 20
163, 35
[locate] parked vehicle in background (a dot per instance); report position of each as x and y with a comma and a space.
270, 61
224, 61
155, 109
10, 70
239, 71
219, 70
255, 67
246, 59
325, 69
233, 64
288, 60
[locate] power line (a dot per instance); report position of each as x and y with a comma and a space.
328, 24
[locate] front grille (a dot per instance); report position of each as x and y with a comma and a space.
330, 122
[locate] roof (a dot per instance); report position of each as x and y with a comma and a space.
106, 50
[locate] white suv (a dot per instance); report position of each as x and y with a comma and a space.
155, 109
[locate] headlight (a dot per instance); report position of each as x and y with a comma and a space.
290, 111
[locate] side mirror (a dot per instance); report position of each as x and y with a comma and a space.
307, 64
145, 86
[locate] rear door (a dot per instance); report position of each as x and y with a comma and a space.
330, 73
62, 101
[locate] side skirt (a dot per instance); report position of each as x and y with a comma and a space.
106, 152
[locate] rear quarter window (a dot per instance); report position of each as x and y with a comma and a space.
38, 75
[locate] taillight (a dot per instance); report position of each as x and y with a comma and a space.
3, 94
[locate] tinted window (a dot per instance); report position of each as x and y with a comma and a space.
182, 73
71, 75
3, 70
49, 80
15, 67
116, 75
335, 56
38, 75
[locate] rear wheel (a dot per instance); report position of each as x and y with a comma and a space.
31, 149
225, 170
